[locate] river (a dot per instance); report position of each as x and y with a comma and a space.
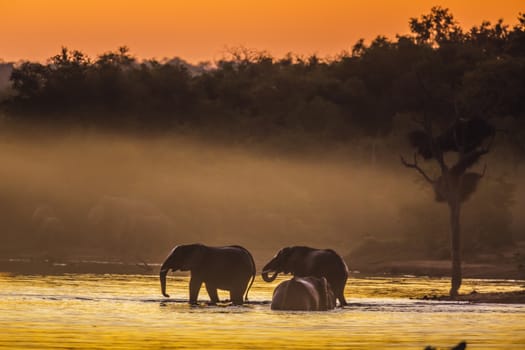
89, 311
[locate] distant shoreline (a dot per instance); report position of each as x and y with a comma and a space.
430, 268
49, 267
441, 268
516, 297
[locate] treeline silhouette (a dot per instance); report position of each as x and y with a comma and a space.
439, 69
474, 73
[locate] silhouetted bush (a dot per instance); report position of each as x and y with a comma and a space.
250, 94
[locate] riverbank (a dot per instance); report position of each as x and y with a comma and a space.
505, 269
441, 268
516, 297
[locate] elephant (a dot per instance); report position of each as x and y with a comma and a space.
305, 261
227, 268
303, 293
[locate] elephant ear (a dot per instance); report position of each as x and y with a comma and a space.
287, 259
194, 257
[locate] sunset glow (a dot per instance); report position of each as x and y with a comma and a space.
262, 174
203, 29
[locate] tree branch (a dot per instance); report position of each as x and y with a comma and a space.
466, 161
414, 165
484, 169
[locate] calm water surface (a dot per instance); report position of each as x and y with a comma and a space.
128, 312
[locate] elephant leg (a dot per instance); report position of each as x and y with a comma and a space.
339, 293
212, 292
236, 296
342, 299
195, 286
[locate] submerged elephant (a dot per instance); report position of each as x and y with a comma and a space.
227, 268
306, 261
303, 294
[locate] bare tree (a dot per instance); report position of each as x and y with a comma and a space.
455, 182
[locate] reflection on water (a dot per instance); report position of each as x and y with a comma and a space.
122, 312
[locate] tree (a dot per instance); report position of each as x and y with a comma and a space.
436, 28
455, 184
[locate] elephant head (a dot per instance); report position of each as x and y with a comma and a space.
282, 262
183, 258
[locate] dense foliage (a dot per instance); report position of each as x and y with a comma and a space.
480, 72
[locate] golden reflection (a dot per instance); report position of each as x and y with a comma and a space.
127, 312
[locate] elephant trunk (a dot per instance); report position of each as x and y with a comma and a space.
268, 278
163, 273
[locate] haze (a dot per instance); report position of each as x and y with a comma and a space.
112, 194
115, 197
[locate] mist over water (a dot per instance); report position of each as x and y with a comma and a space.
103, 194
95, 195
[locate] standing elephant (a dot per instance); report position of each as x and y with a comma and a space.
306, 261
227, 268
303, 293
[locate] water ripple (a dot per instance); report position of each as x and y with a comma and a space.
123, 312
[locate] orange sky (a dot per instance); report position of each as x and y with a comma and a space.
198, 30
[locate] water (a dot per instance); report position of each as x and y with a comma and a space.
82, 311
